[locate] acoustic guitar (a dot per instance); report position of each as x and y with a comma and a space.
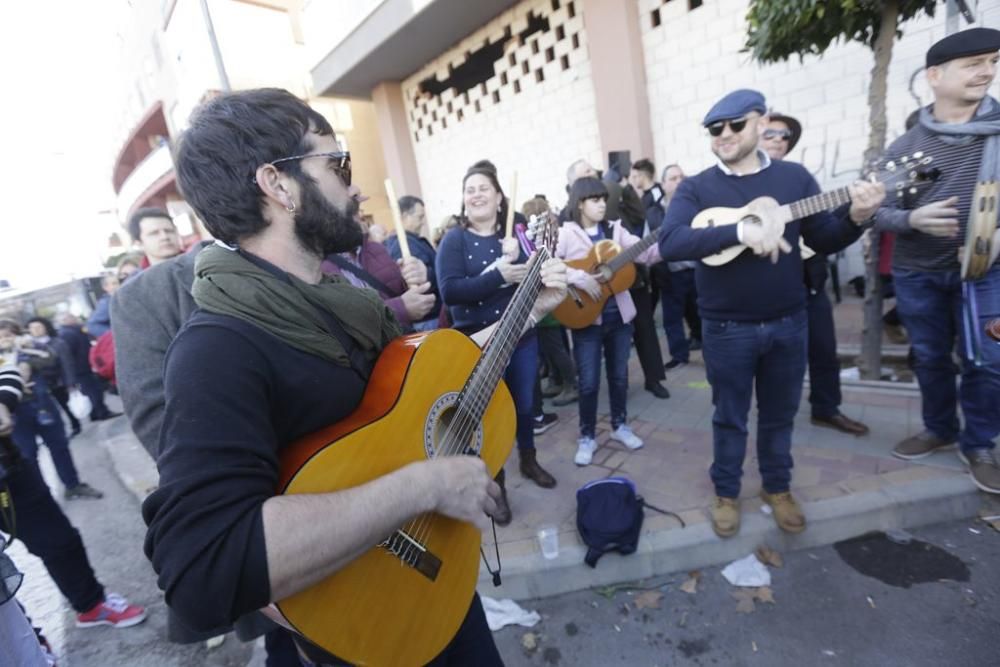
431, 394
614, 270
765, 210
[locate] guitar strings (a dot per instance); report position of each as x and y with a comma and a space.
477, 394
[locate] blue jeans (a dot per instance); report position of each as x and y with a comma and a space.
615, 337
930, 306
522, 370
674, 299
738, 356
30, 422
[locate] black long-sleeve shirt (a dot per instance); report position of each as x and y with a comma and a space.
235, 397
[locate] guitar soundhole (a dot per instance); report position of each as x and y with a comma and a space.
446, 433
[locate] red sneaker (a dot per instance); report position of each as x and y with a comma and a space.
114, 611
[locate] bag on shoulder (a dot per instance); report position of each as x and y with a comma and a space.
102, 357
609, 517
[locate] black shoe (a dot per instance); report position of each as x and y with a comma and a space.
674, 364
695, 344
82, 490
107, 415
657, 389
544, 422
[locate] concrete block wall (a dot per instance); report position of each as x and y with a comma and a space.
541, 123
693, 57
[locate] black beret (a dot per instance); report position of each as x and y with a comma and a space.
962, 44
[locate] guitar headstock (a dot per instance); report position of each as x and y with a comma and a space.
543, 231
907, 172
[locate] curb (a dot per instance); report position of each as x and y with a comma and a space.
904, 506
131, 462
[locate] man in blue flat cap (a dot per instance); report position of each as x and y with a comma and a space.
754, 310
961, 130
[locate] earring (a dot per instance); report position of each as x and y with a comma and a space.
291, 207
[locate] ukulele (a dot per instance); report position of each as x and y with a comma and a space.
430, 394
765, 210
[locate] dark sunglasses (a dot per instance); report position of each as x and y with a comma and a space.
774, 134
715, 129
340, 163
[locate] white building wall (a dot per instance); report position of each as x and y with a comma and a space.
538, 131
693, 57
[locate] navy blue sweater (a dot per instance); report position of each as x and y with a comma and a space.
475, 299
749, 288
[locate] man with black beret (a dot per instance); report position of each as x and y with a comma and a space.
961, 131
780, 137
753, 310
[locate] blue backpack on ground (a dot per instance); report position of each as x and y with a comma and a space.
609, 517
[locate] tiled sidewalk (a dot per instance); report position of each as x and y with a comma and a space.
671, 471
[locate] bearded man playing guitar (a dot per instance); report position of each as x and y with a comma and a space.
753, 310
277, 351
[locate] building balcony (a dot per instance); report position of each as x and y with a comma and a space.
150, 182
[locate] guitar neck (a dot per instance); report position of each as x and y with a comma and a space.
628, 255
499, 348
824, 201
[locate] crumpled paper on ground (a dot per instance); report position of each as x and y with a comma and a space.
747, 572
501, 613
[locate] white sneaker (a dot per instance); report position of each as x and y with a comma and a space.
624, 435
584, 451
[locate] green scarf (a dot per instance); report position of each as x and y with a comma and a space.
229, 284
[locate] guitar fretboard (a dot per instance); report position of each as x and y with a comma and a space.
629, 255
824, 201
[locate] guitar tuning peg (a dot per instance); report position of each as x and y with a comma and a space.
890, 166
918, 155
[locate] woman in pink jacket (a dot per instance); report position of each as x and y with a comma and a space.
612, 332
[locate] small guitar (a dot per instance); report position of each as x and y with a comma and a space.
429, 395
766, 210
614, 269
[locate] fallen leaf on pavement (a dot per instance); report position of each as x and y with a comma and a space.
699, 384
691, 585
870, 601
529, 641
769, 556
648, 600
744, 600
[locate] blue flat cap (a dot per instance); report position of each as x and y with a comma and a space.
736, 105
962, 44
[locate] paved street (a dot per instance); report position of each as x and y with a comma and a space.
112, 531
932, 602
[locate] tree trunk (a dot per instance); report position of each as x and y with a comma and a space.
870, 364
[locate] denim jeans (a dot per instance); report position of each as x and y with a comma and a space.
930, 306
740, 356
520, 376
28, 426
48, 534
675, 297
615, 337
92, 387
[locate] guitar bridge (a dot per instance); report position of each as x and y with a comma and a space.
412, 553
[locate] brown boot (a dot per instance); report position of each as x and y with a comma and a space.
533, 471
503, 515
787, 513
725, 516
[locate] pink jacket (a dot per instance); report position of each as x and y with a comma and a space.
575, 243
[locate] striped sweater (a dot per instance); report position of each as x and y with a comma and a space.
11, 386
959, 167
